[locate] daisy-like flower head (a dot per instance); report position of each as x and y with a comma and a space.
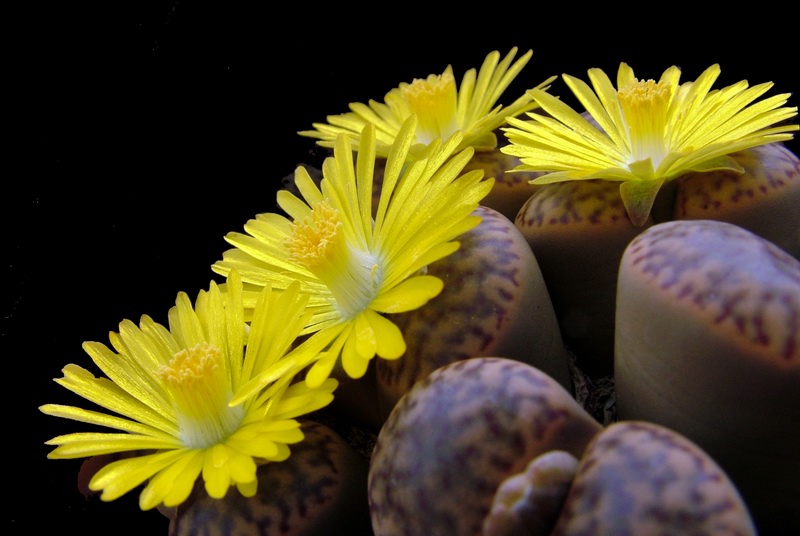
357, 263
190, 396
649, 132
441, 108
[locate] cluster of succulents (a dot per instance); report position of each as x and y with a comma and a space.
486, 319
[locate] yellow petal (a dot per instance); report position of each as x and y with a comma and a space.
174, 484
391, 344
119, 477
308, 188
216, 472
112, 396
259, 449
299, 399
283, 453
363, 337
294, 435
242, 467
408, 295
354, 364
109, 421
321, 369
248, 489
84, 444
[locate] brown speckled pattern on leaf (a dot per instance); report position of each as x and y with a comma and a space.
457, 435
638, 478
589, 202
707, 344
743, 285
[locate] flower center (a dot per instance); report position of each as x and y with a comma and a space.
645, 104
433, 100
351, 274
200, 388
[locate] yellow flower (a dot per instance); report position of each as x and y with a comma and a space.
355, 262
649, 132
440, 108
174, 393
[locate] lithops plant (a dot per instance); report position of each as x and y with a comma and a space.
638, 478
643, 135
635, 478
567, 223
458, 434
494, 303
320, 489
708, 344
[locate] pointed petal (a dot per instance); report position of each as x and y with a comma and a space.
109, 421
119, 477
85, 444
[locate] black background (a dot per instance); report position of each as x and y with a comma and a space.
144, 136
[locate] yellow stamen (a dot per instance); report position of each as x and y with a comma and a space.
200, 388
317, 238
352, 275
645, 104
434, 101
